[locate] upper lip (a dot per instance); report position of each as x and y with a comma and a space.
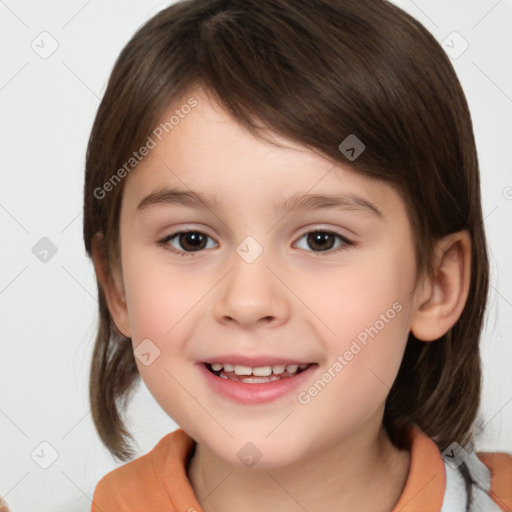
253, 361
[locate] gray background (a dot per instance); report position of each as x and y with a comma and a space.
48, 308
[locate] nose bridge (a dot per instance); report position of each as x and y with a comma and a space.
250, 292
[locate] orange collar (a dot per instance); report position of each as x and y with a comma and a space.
423, 492
425, 486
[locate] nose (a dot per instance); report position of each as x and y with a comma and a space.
251, 296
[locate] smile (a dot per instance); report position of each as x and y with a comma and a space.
256, 375
260, 383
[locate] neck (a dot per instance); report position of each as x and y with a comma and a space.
360, 472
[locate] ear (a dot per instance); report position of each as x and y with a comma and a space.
112, 285
441, 299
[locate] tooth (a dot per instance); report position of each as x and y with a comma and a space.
262, 371
278, 368
216, 367
260, 380
292, 368
242, 370
222, 376
228, 367
303, 366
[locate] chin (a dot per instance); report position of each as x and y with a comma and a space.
257, 452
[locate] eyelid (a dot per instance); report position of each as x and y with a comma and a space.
346, 242
164, 242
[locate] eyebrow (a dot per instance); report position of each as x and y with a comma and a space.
178, 197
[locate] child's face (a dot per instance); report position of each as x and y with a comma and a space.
347, 311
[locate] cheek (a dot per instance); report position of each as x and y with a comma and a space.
371, 292
363, 360
158, 296
161, 303
158, 307
367, 309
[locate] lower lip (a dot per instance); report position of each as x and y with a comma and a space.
254, 393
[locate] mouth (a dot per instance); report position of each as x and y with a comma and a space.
256, 375
255, 380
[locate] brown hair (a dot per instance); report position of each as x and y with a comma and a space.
315, 72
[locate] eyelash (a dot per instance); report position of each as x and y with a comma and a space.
164, 243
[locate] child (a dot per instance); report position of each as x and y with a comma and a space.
282, 205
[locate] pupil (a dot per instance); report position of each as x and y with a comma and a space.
194, 240
318, 239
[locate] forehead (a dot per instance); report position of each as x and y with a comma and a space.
207, 151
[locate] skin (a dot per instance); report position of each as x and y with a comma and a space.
292, 301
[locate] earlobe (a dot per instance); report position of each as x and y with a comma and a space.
441, 299
111, 285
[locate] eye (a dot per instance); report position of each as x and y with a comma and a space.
320, 241
323, 240
184, 242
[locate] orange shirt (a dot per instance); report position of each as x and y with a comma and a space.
157, 481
